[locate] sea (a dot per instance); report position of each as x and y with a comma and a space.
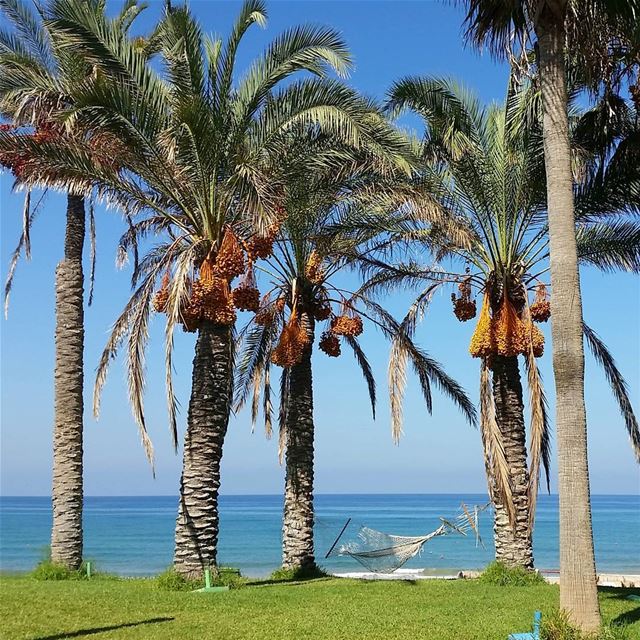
133, 536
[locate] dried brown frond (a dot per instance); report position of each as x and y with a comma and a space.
267, 406
495, 459
397, 384
92, 242
15, 256
539, 434
255, 401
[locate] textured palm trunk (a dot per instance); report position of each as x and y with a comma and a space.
513, 544
66, 493
197, 525
297, 526
578, 585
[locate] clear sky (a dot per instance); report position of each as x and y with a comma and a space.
354, 454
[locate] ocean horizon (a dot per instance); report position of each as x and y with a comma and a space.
133, 535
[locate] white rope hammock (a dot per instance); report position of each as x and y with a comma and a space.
381, 552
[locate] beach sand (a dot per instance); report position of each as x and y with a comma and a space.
553, 577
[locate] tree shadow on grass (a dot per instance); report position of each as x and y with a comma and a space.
89, 632
619, 593
285, 583
628, 617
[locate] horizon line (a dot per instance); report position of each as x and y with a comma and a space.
270, 495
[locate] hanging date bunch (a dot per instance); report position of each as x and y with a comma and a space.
292, 344
208, 299
191, 312
464, 308
537, 339
540, 310
211, 290
313, 270
18, 161
504, 333
266, 311
330, 344
510, 332
262, 246
229, 261
246, 296
347, 324
161, 297
482, 341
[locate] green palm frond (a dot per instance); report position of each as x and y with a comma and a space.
312, 49
492, 23
258, 344
365, 367
618, 385
428, 370
610, 246
28, 26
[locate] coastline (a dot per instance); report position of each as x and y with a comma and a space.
551, 576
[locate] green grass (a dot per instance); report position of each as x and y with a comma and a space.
317, 609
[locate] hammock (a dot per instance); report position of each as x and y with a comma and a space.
381, 552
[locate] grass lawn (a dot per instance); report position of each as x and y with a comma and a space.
317, 609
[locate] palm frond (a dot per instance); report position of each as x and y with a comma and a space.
618, 385
365, 367
397, 374
610, 246
92, 251
540, 438
498, 475
282, 414
403, 351
267, 406
29, 27
17, 252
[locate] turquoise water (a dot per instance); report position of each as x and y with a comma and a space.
134, 535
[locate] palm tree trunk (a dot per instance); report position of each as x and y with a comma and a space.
66, 493
578, 586
197, 524
513, 544
297, 526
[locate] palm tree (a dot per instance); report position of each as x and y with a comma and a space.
37, 79
486, 168
562, 28
314, 246
189, 156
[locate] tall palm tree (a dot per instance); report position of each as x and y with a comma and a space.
486, 168
562, 28
188, 153
37, 79
313, 247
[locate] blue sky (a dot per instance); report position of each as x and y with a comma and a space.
354, 454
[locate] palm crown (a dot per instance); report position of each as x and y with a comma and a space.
486, 168
191, 155
317, 243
